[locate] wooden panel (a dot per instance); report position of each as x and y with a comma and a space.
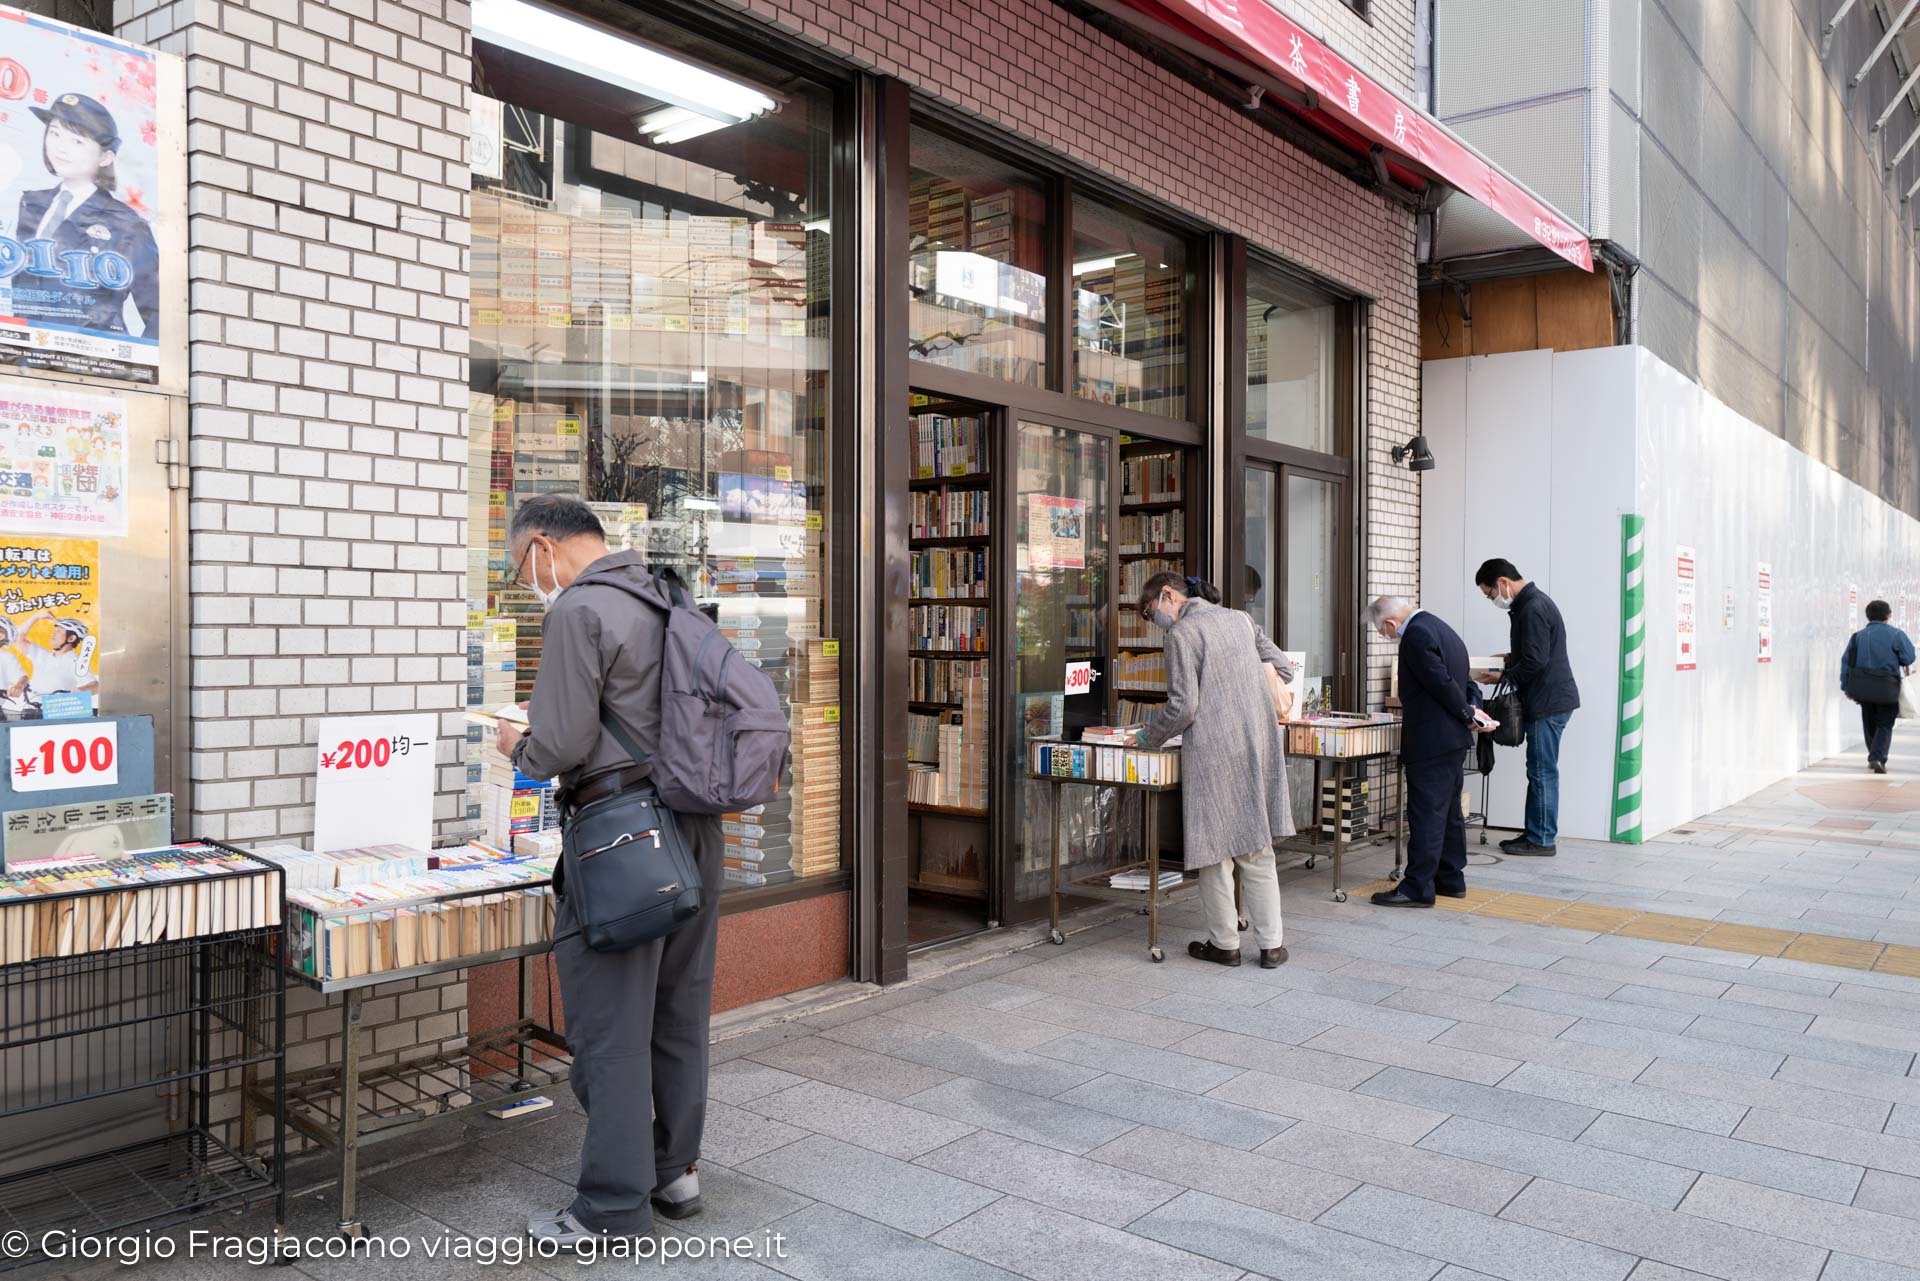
1444, 332
1504, 317
1573, 309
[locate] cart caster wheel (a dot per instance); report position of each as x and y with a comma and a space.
1310, 865
1339, 896
1244, 923
353, 1229
1056, 937
1157, 955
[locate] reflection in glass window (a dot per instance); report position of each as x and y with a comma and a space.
650, 331
977, 276
1290, 362
1129, 311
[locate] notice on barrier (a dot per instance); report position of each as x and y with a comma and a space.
1763, 612
1056, 532
1686, 617
375, 782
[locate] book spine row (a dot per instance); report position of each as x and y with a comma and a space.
948, 447
1100, 764
1141, 672
1152, 532
961, 628
950, 572
939, 680
955, 513
1152, 478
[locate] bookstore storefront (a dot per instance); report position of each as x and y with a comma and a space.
918, 409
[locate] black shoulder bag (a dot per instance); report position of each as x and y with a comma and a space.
1869, 685
626, 866
1504, 706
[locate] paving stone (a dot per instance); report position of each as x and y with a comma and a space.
825, 1243
1061, 1180
478, 1194
1050, 1246
1740, 970
733, 1135
837, 1063
1607, 1011
1835, 1142
1421, 1171
1380, 1117
1267, 1182
1344, 986
877, 1187
1265, 1021
1227, 1124
1021, 1115
1871, 1057
1889, 1036
1682, 1240
1889, 1194
1777, 1096
1650, 1103
994, 1027
1841, 1005
860, 1119
1425, 1056
1771, 1167
1234, 1050
1172, 1067
1648, 1270
1868, 1234
1647, 976
1613, 1173
734, 1203
1851, 1080
1482, 1102
1491, 1013
1114, 993
1371, 1018
1622, 1065
1558, 975
1275, 1245
994, 994
1711, 1007
1137, 1026
745, 1043
1848, 1267
956, 1055
741, 1080
1496, 1247
1446, 979
1905, 1121
1669, 1045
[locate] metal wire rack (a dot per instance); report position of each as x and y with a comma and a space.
129, 1186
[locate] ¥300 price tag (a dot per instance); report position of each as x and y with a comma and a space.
84, 753
1080, 678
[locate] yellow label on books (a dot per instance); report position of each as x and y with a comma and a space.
490, 316
568, 427
503, 413
813, 520
560, 320
476, 619
830, 649
676, 324
831, 715
505, 631
620, 322
783, 473
959, 469
793, 328
736, 325
526, 806
496, 498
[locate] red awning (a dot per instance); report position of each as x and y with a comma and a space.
1350, 106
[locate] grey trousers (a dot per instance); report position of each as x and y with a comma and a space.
637, 1026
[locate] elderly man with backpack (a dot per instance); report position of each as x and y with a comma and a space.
654, 726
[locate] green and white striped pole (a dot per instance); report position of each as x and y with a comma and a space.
1633, 679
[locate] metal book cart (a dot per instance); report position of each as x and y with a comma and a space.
1094, 885
346, 1107
116, 999
1344, 751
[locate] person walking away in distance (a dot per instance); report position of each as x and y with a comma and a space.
1537, 667
1870, 675
1233, 778
1439, 718
637, 1020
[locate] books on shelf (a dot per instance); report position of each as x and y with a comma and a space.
1139, 880
949, 572
70, 906
814, 807
961, 628
1152, 478
1143, 532
923, 738
1140, 671
939, 680
1139, 633
949, 513
1134, 575
1100, 763
944, 447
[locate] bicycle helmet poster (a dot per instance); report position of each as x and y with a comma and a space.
50, 638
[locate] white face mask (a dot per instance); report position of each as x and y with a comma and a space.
1502, 602
533, 579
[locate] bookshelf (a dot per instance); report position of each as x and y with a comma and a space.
1152, 535
950, 612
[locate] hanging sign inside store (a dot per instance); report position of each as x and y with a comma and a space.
1080, 678
1056, 532
80, 169
63, 463
57, 758
1763, 612
1685, 618
49, 628
375, 782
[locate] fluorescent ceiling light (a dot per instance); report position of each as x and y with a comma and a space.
1092, 265
564, 42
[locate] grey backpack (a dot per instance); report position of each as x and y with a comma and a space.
724, 739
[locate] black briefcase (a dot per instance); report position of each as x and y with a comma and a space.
1504, 706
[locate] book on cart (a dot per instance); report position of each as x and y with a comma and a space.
1137, 879
1098, 763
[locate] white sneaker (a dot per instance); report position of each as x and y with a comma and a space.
680, 1199
559, 1227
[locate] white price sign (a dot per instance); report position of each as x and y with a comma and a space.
375, 782
1080, 678
49, 758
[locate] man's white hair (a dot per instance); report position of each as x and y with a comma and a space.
1386, 607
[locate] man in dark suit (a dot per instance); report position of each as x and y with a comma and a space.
1438, 706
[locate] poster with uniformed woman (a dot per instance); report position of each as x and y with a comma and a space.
79, 190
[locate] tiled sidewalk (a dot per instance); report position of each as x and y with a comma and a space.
1415, 1095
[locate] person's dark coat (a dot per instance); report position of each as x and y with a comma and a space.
1537, 663
1436, 696
96, 224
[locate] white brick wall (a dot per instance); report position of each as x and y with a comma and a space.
328, 238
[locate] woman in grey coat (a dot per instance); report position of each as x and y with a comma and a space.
1233, 778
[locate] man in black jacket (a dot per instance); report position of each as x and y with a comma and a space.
1439, 717
1538, 669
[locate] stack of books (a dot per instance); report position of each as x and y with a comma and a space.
957, 628
963, 751
306, 869
1142, 532
948, 446
75, 905
949, 513
1137, 879
1099, 763
816, 788
1143, 671
949, 573
420, 920
1151, 478
1345, 807
759, 842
